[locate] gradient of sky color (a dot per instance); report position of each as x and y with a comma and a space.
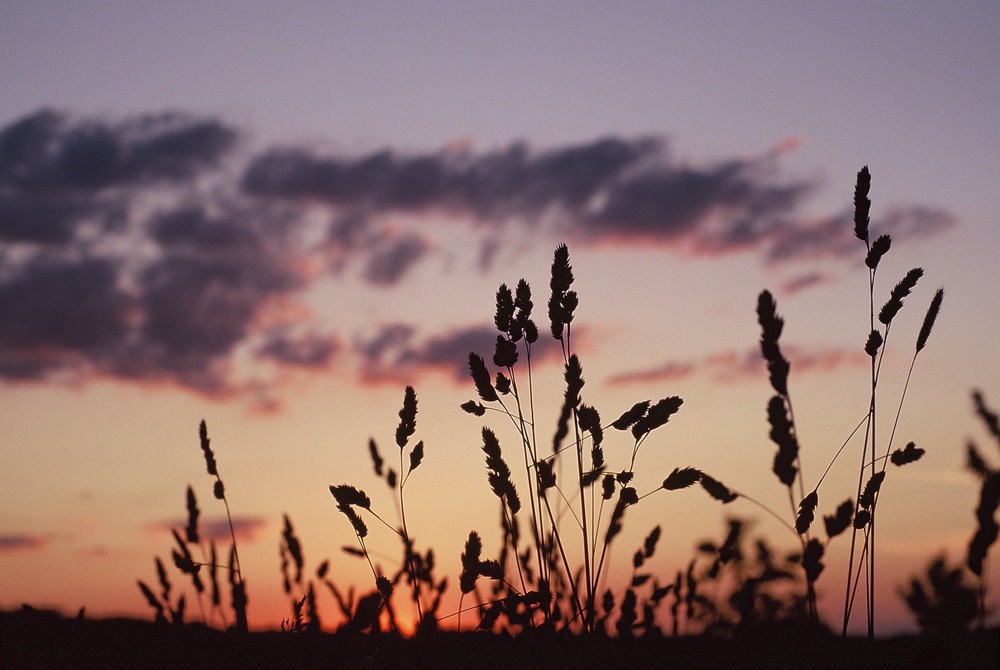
275, 216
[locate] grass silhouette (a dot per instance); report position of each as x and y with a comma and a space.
565, 554
989, 500
185, 562
559, 521
859, 516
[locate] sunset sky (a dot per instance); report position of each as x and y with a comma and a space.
275, 216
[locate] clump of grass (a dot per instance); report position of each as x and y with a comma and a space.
305, 612
574, 503
989, 501
474, 567
752, 587
236, 582
559, 572
417, 569
859, 515
629, 622
942, 601
185, 562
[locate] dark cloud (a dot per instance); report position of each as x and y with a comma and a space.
608, 189
48, 152
59, 316
388, 255
189, 227
612, 189
20, 542
41, 218
386, 343
179, 317
671, 201
49, 306
194, 315
391, 262
508, 182
142, 249
308, 350
58, 174
114, 262
450, 351
350, 232
199, 304
200, 299
906, 222
834, 236
396, 354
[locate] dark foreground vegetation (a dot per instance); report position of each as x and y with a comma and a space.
545, 597
39, 639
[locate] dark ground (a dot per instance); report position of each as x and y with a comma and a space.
38, 639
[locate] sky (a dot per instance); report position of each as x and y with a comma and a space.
275, 217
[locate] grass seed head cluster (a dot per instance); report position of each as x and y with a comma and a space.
567, 504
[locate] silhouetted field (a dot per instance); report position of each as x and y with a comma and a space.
541, 602
39, 639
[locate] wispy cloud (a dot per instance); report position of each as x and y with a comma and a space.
20, 542
833, 237
803, 281
389, 262
508, 182
397, 353
666, 372
155, 249
216, 529
307, 350
731, 365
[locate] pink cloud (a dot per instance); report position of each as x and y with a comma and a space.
803, 282
669, 371
216, 528
20, 542
397, 355
732, 365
